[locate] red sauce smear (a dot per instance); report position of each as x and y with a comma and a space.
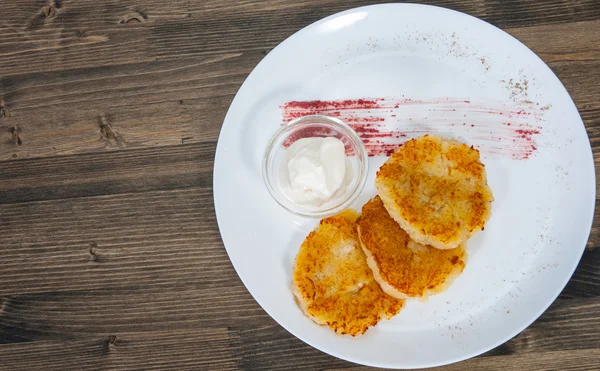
384, 124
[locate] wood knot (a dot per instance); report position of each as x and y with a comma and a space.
108, 134
49, 11
4, 112
138, 16
16, 137
94, 252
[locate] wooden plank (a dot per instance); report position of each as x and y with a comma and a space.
580, 360
163, 237
32, 15
145, 308
83, 34
66, 48
122, 85
269, 347
189, 349
79, 34
208, 350
158, 168
155, 105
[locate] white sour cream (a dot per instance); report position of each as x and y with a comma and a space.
313, 170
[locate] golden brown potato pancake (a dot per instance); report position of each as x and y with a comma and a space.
401, 266
436, 189
333, 284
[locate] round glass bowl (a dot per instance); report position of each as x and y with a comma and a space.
309, 127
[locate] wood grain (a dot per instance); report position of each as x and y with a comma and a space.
190, 349
584, 360
110, 255
104, 174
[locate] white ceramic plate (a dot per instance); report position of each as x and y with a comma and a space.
425, 70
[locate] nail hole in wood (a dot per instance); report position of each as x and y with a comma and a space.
112, 339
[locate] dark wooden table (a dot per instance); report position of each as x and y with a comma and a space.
110, 256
